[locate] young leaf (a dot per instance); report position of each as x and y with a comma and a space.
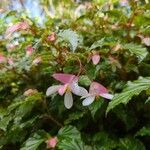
138, 50
97, 44
71, 37
33, 142
133, 88
145, 131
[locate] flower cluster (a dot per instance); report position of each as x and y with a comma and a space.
70, 85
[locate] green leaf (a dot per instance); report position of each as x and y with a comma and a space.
70, 139
94, 107
69, 132
4, 122
133, 88
33, 142
103, 141
148, 100
130, 143
138, 50
145, 131
97, 44
74, 144
74, 116
71, 37
84, 80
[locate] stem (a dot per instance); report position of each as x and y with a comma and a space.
48, 115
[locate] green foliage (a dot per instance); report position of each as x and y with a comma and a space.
133, 88
145, 131
138, 50
33, 142
67, 37
71, 37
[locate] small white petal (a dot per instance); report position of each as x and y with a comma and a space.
68, 100
52, 89
107, 96
78, 90
88, 101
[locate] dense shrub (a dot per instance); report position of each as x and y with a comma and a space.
99, 46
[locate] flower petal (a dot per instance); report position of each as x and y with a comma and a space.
95, 59
78, 90
52, 89
68, 100
97, 89
63, 78
88, 101
106, 95
62, 89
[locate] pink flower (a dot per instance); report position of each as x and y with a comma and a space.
2, 58
36, 61
95, 59
29, 50
52, 37
70, 84
16, 27
124, 2
51, 143
95, 90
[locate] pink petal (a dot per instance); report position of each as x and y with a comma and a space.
52, 89
106, 95
88, 101
68, 100
20, 25
62, 89
97, 89
95, 59
63, 78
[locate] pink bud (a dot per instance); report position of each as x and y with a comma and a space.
95, 59
51, 143
2, 58
29, 50
37, 60
116, 47
146, 41
30, 92
10, 61
52, 37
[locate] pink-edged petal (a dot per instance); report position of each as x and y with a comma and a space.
97, 88
106, 95
95, 59
62, 89
68, 100
63, 78
52, 89
88, 101
78, 90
